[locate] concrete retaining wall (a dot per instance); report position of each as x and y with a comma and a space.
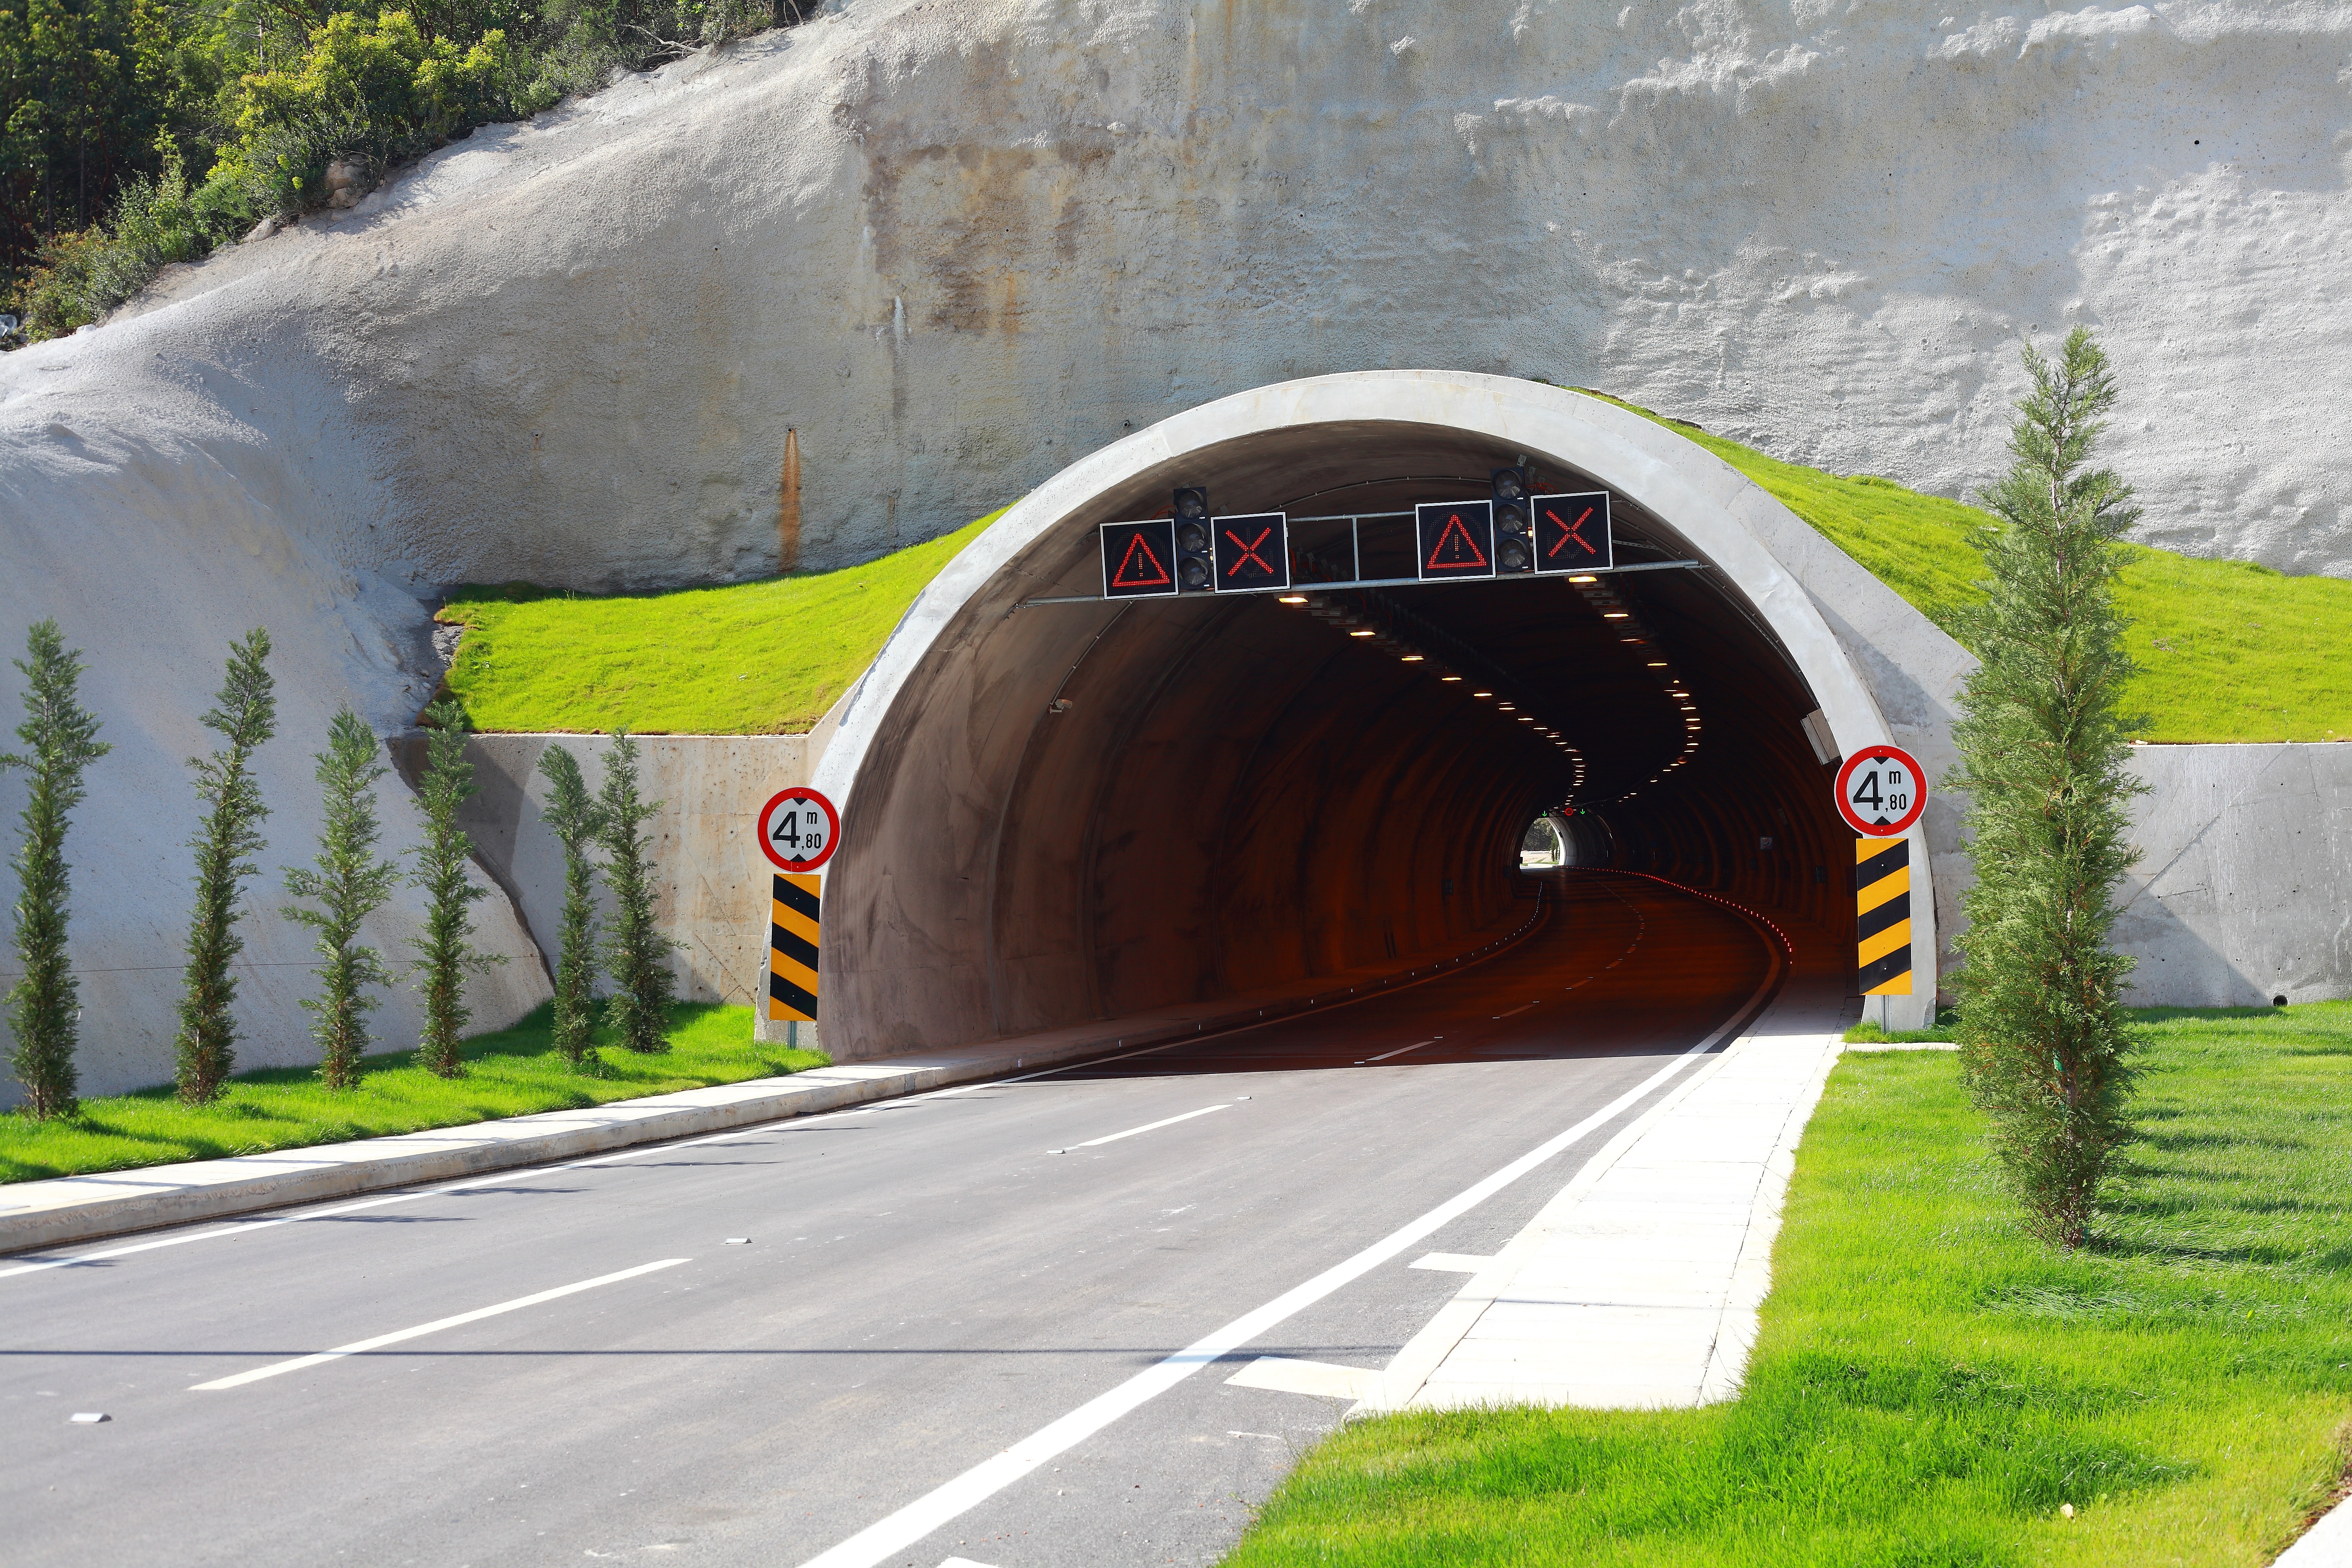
2244, 892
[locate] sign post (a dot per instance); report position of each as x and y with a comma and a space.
798, 830
1881, 791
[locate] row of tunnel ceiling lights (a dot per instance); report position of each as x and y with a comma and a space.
1629, 630
1359, 627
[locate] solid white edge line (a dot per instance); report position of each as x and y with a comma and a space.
897, 1531
358, 1347
1398, 1052
1152, 1126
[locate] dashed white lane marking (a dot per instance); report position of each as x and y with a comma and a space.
1512, 1014
358, 1347
1153, 1126
893, 1533
1400, 1051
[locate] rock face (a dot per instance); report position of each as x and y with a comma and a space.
960, 242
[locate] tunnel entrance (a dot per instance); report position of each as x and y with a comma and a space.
1055, 812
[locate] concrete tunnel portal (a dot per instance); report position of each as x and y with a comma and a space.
1057, 813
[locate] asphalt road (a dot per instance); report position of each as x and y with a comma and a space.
922, 1285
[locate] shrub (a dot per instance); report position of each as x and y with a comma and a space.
61, 740
2043, 751
446, 953
349, 884
229, 837
638, 952
578, 825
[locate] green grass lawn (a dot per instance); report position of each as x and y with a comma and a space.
747, 658
513, 1072
2228, 651
1931, 1386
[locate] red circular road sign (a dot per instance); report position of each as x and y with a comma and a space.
798, 830
1881, 792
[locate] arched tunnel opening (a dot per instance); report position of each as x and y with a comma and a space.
1064, 811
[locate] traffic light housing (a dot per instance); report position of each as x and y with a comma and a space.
1196, 550
1514, 534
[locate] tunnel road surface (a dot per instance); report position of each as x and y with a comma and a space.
815, 1341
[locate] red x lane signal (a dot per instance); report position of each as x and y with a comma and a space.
1137, 557
1457, 540
1572, 533
1253, 552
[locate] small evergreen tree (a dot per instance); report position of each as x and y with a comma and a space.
578, 825
2045, 1046
229, 837
446, 953
349, 883
639, 1008
61, 740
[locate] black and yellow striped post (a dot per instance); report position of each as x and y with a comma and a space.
792, 948
1882, 889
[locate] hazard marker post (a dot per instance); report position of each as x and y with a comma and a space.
1881, 792
798, 831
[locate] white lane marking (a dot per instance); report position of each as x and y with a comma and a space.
897, 1531
965, 1562
1153, 1126
782, 1124
1323, 1379
1452, 1262
1512, 1014
1399, 1051
358, 1347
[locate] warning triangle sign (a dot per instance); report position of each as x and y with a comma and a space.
1144, 573
1455, 549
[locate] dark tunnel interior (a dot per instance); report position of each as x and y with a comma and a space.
1090, 810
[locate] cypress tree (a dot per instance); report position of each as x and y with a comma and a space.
578, 825
446, 953
639, 1008
2045, 1046
246, 715
61, 740
349, 883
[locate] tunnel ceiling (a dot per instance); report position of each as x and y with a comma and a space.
1092, 810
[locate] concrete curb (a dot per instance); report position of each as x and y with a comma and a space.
67, 1209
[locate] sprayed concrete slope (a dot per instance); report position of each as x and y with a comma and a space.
958, 245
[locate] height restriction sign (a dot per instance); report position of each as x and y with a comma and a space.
798, 830
1881, 792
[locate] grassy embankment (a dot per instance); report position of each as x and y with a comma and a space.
1932, 1388
2228, 651
513, 1072
750, 659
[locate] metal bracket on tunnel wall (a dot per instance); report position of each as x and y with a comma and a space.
792, 933
1882, 883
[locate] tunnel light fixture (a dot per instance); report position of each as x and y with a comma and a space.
1292, 599
1673, 693
1637, 641
1482, 694
1657, 664
1527, 718
1509, 707
1412, 659
1615, 615
1360, 634
1583, 579
1449, 677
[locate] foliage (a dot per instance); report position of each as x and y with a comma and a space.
765, 657
446, 955
2044, 754
2223, 650
61, 740
637, 953
104, 102
244, 715
578, 825
1931, 1385
514, 1072
349, 883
